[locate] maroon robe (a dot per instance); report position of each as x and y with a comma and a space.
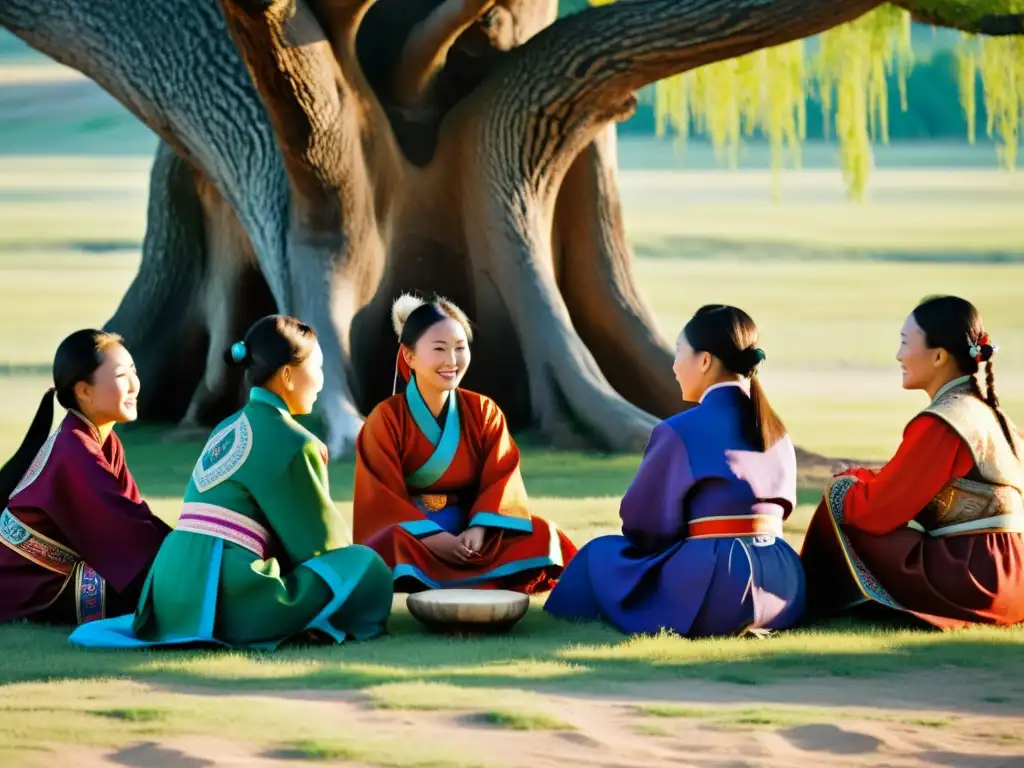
76, 539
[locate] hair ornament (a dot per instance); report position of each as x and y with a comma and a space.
761, 356
404, 306
239, 350
977, 347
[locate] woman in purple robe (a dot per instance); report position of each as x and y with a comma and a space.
701, 551
76, 539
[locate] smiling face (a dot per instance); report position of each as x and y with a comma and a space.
923, 367
441, 356
111, 397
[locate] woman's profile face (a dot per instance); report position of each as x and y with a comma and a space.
917, 361
112, 394
299, 385
690, 368
441, 356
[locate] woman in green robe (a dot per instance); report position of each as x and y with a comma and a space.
259, 554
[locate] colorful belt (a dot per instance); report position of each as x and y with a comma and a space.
34, 546
226, 524
734, 526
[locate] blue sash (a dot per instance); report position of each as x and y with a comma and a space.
446, 442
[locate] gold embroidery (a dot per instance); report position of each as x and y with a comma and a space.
433, 502
963, 501
997, 486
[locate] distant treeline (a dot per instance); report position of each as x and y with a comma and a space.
933, 106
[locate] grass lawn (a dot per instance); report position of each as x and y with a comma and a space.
829, 297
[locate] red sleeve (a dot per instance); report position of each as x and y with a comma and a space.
501, 500
861, 473
930, 455
114, 533
380, 498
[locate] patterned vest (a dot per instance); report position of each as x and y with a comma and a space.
991, 497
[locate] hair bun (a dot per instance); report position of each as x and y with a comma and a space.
237, 354
404, 306
749, 359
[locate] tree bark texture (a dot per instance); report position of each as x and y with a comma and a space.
321, 156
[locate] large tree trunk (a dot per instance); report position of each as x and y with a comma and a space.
322, 156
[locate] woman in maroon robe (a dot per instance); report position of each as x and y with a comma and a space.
938, 533
77, 539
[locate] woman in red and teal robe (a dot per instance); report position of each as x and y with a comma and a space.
77, 537
438, 489
937, 534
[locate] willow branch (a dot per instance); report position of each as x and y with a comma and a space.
555, 92
426, 50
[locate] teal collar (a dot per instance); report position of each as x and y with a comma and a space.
423, 417
950, 385
265, 396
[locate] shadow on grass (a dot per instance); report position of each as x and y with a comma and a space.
540, 654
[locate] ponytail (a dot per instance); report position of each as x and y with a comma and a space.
993, 402
764, 428
14, 470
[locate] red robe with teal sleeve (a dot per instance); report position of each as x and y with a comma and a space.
417, 476
76, 539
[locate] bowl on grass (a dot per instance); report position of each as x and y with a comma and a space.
468, 611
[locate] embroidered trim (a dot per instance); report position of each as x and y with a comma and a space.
91, 590
837, 495
866, 582
223, 454
34, 546
37, 465
222, 523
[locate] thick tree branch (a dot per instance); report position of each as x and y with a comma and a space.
295, 70
554, 93
981, 23
593, 264
508, 227
341, 20
333, 238
175, 67
426, 49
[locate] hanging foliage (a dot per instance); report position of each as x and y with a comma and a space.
848, 69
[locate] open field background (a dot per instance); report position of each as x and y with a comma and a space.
829, 283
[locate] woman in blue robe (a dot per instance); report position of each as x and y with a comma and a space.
701, 551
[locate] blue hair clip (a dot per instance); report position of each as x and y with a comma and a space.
761, 355
239, 351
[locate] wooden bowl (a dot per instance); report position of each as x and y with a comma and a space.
466, 611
